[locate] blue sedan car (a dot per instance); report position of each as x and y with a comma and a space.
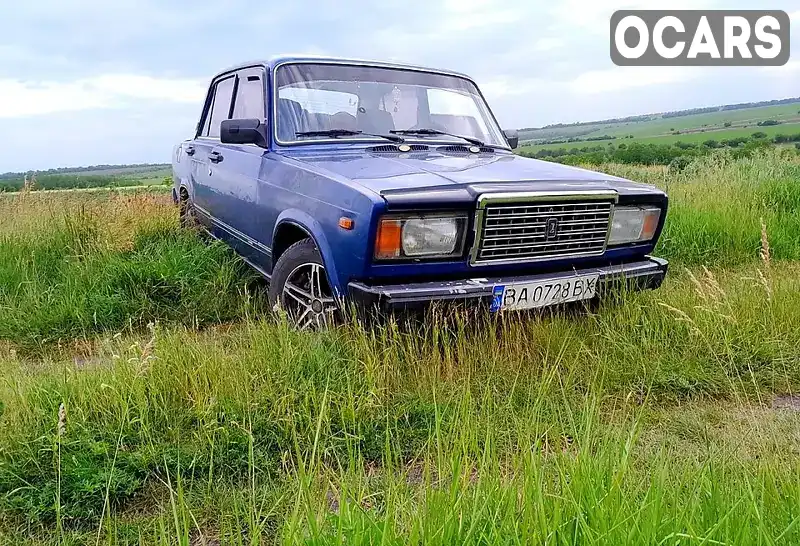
393, 186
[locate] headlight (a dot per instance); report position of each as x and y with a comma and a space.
431, 236
633, 224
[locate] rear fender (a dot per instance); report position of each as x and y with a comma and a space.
181, 172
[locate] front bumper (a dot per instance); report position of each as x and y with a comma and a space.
641, 275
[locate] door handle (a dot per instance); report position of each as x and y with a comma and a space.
215, 157
189, 150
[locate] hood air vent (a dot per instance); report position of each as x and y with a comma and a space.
399, 149
465, 150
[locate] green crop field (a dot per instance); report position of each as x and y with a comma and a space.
785, 113
721, 134
107, 176
685, 128
697, 137
149, 396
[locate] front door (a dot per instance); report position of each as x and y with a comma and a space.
233, 170
206, 199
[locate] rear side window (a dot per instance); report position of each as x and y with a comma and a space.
221, 107
249, 96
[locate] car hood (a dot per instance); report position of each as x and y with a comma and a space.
431, 174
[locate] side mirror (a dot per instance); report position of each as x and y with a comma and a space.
243, 131
512, 136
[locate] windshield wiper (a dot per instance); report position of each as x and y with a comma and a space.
335, 133
432, 132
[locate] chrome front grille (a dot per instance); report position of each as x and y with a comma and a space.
555, 226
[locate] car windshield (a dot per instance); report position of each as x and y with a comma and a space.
359, 102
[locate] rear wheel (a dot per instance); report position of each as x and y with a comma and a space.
188, 219
299, 285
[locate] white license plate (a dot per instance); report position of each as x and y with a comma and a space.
530, 295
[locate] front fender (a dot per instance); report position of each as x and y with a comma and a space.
317, 233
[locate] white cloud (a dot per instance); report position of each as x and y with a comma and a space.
625, 77
146, 87
22, 99
587, 14
507, 86
786, 69
548, 44
594, 16
449, 23
794, 22
463, 15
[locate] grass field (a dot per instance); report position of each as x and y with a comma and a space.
148, 397
785, 113
692, 128
656, 124
718, 134
90, 177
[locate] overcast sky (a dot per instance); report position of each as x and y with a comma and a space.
96, 81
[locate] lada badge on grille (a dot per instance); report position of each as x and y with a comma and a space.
552, 229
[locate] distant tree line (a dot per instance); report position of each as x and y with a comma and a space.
728, 107
70, 181
579, 139
67, 170
627, 119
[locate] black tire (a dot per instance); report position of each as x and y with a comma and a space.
290, 271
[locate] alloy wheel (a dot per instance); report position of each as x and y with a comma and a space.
307, 298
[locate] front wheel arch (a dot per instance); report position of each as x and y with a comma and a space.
314, 231
300, 286
286, 234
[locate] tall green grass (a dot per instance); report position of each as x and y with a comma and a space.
469, 430
75, 266
649, 421
78, 271
717, 207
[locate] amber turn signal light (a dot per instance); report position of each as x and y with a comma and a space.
387, 243
346, 223
650, 224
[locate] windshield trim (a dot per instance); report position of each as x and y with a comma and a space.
274, 97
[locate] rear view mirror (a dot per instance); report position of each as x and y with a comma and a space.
243, 131
512, 136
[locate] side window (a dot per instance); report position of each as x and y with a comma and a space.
221, 107
206, 116
207, 121
249, 102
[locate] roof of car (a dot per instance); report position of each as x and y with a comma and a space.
284, 59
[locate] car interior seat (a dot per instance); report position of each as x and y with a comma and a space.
375, 121
290, 119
